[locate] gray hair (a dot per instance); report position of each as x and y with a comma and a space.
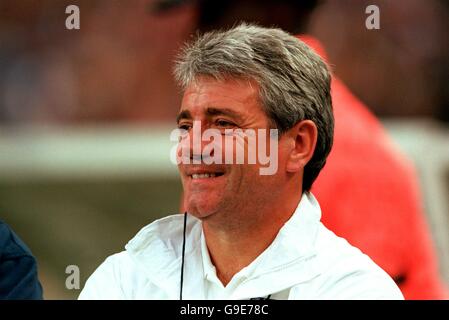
294, 82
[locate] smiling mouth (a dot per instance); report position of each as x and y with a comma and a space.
196, 176
205, 175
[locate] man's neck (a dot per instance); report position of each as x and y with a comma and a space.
233, 248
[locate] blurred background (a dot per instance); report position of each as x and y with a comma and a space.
85, 115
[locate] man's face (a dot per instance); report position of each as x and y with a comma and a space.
227, 104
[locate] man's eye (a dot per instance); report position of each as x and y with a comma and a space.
185, 126
224, 123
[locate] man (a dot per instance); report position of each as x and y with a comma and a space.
18, 268
378, 212
247, 235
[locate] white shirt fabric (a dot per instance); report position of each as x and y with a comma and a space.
305, 261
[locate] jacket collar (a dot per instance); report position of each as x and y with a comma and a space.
290, 259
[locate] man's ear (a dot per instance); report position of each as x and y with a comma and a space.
303, 136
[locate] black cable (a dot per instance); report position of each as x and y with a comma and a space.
183, 252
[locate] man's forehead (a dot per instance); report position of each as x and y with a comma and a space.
229, 88
206, 95
210, 112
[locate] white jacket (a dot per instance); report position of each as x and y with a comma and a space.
305, 261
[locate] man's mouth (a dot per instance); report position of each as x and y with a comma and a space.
202, 173
205, 175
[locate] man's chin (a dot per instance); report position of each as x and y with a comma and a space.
201, 209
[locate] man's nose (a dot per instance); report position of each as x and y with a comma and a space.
193, 146
197, 146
